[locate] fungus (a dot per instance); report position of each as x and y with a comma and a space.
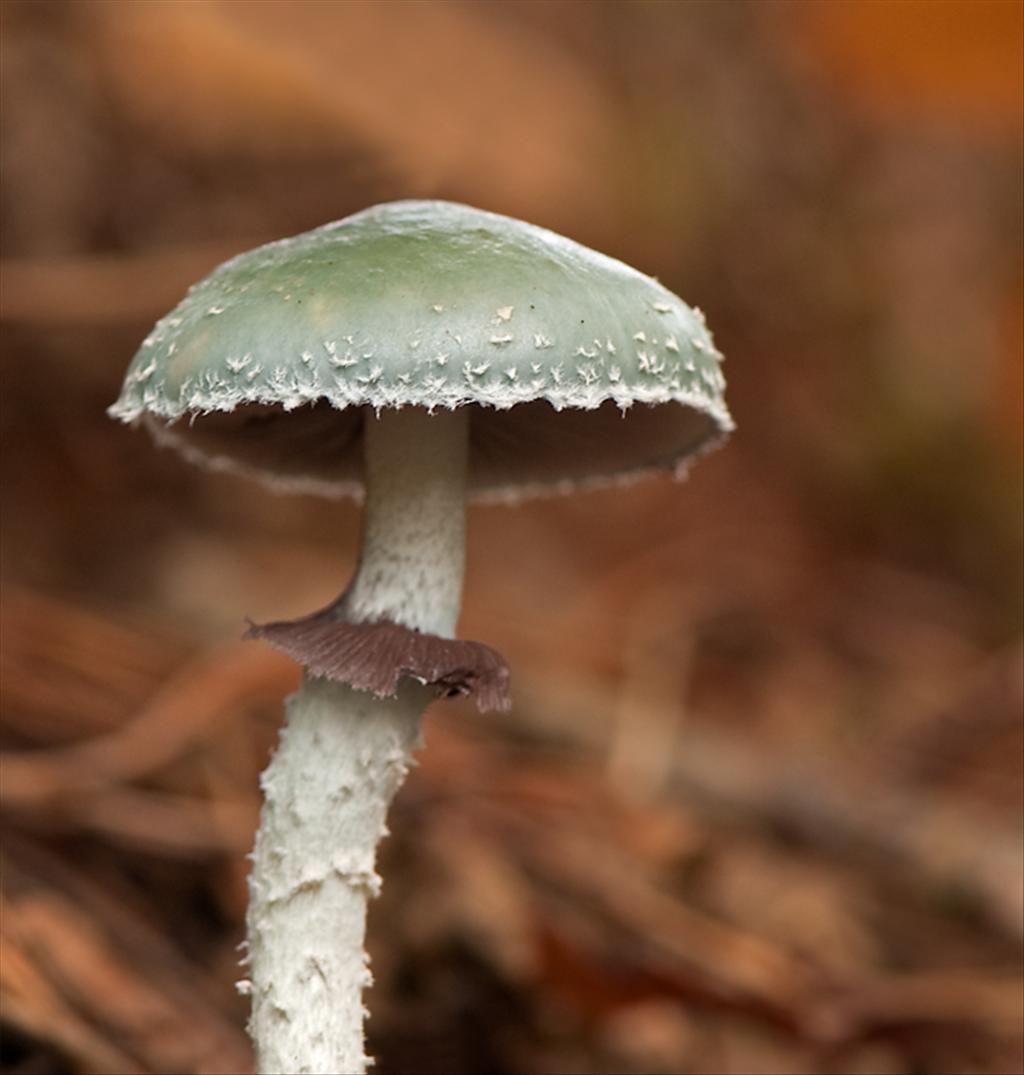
347, 389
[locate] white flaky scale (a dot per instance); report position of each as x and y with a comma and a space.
402, 432
649, 362
236, 365
145, 372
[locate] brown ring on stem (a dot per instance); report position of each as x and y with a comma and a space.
375, 656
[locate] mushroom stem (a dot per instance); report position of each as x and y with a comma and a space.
414, 527
342, 756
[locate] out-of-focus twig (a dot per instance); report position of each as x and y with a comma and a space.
914, 833
102, 985
34, 1007
188, 708
69, 672
172, 826
106, 289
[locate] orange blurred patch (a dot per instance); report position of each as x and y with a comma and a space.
958, 59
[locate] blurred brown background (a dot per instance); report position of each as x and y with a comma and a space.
758, 806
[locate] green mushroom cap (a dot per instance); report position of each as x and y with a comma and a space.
583, 370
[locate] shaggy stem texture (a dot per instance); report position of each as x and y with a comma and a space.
342, 756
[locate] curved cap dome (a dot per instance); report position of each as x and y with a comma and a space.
583, 369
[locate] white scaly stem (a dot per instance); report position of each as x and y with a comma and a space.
342, 756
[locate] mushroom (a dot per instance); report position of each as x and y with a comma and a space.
345, 360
